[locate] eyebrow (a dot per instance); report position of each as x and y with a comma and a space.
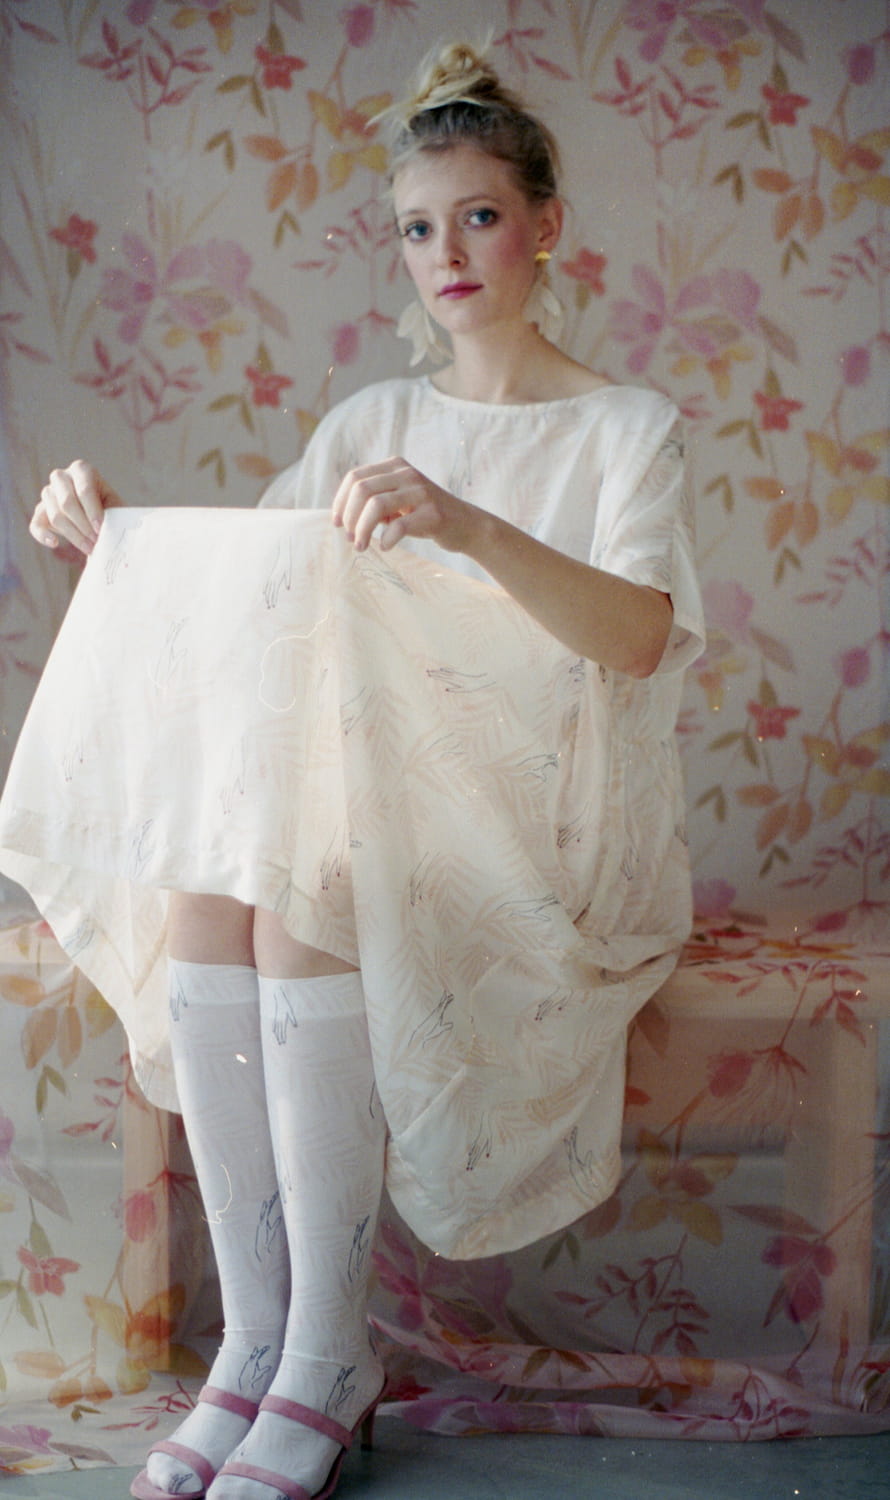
458, 203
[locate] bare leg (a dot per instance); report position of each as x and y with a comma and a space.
209, 929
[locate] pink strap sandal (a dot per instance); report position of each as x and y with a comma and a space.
142, 1487
318, 1422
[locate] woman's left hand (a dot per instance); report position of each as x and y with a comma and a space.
395, 495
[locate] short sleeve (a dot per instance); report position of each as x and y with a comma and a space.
645, 530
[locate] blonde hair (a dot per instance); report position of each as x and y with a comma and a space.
460, 99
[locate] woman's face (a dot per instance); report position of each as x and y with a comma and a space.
469, 236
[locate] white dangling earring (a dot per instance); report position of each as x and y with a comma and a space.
417, 325
542, 306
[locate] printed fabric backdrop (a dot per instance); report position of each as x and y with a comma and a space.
196, 261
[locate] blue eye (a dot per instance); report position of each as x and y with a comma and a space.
482, 217
416, 231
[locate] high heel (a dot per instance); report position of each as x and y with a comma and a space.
317, 1422
142, 1487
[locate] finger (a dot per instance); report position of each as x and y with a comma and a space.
41, 530
64, 509
365, 475
93, 493
370, 500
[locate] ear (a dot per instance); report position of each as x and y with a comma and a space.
550, 217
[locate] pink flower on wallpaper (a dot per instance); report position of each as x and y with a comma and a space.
855, 364
640, 323
783, 105
775, 411
358, 21
45, 1272
77, 235
703, 23
770, 719
860, 63
33, 1439
266, 387
806, 1262
712, 898
588, 267
131, 291
737, 293
346, 343
854, 666
220, 268
140, 12
728, 608
278, 67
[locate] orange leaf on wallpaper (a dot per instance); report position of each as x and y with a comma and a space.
701, 1220
20, 990
373, 157
762, 487
282, 182
825, 451
265, 147
772, 180
830, 146
326, 113
801, 820
875, 783
759, 794
44, 1363
780, 522
38, 1035
806, 522
877, 488
823, 753
813, 217
771, 825
307, 185
131, 1376
70, 1035
109, 1317
839, 502
876, 188
834, 799
844, 198
256, 465
786, 214
339, 169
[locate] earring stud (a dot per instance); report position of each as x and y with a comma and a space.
542, 257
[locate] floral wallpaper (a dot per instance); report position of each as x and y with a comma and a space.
196, 261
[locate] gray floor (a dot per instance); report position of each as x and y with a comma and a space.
413, 1466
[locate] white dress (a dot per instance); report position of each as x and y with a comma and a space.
387, 750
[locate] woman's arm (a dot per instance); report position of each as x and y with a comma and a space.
621, 625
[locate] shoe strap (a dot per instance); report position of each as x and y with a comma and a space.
309, 1418
192, 1460
237, 1405
277, 1482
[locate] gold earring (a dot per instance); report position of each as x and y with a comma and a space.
542, 257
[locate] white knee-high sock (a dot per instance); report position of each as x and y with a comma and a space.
217, 1056
329, 1137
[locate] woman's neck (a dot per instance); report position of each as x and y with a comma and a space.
513, 366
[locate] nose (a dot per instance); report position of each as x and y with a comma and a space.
451, 248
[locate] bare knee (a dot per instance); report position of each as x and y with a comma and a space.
209, 929
280, 956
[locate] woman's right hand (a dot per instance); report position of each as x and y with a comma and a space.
70, 510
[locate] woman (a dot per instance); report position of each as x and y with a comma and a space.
413, 899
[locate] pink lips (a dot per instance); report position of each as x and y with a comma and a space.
460, 289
